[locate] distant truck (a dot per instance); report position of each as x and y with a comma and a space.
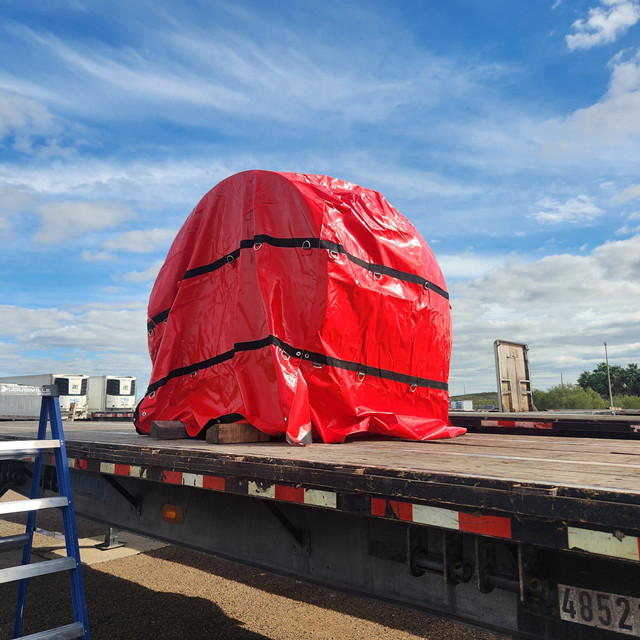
72, 389
461, 405
111, 397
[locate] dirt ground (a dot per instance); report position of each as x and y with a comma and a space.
169, 593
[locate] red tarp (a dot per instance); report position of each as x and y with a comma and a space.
305, 306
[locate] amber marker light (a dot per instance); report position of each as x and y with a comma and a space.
172, 513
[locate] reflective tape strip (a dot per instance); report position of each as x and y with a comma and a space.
137, 472
321, 498
172, 477
216, 483
107, 467
435, 516
289, 494
604, 544
192, 480
268, 491
496, 526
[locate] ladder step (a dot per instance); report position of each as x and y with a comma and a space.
16, 449
74, 630
11, 574
11, 542
20, 445
21, 506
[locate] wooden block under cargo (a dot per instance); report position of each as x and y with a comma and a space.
235, 433
168, 430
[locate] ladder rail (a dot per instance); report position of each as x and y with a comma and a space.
49, 414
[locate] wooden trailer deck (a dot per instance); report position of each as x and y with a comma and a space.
572, 479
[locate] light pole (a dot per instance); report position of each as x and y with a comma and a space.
606, 356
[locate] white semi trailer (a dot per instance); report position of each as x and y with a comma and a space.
71, 387
111, 396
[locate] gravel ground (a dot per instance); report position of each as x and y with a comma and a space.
172, 593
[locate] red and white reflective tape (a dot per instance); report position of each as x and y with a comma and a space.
297, 494
496, 526
200, 480
616, 545
522, 424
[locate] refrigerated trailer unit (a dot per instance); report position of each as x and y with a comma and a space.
111, 397
71, 387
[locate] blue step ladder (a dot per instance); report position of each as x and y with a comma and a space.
19, 450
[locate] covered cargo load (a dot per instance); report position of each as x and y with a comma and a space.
303, 305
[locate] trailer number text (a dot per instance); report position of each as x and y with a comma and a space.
603, 610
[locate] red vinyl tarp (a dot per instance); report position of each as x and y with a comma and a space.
303, 305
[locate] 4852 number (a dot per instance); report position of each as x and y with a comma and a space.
598, 609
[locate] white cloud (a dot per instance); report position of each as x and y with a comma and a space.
469, 265
178, 183
604, 137
18, 113
605, 23
62, 221
96, 256
562, 306
141, 241
630, 193
15, 199
144, 276
579, 210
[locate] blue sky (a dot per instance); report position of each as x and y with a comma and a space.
507, 132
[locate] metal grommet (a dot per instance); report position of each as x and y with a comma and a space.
257, 246
298, 354
152, 394
230, 258
151, 331
285, 355
413, 387
335, 255
306, 355
377, 275
144, 413
194, 374
306, 244
426, 286
317, 365
360, 376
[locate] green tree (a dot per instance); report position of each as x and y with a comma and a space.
631, 379
624, 381
568, 396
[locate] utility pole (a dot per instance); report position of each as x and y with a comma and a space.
606, 356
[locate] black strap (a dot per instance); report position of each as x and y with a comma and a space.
308, 243
157, 319
293, 352
315, 243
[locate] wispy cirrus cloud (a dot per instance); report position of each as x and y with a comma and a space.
604, 24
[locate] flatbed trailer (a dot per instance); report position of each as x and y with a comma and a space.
527, 536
